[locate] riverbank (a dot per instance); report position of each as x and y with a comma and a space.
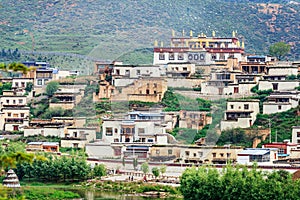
136, 188
96, 188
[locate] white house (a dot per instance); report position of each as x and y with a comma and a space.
78, 137
281, 101
296, 135
261, 156
240, 113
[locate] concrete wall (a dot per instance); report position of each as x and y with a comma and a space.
270, 108
183, 82
57, 132
95, 150
282, 85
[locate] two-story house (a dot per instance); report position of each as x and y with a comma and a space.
240, 113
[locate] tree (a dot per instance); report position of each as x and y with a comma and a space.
29, 87
99, 170
163, 169
51, 88
145, 167
135, 163
279, 50
155, 172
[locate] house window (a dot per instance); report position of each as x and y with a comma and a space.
170, 151
213, 57
138, 72
127, 72
195, 155
116, 130
22, 84
154, 85
147, 91
75, 134
75, 145
214, 155
298, 134
279, 107
228, 155
222, 155
141, 130
236, 90
200, 154
7, 101
231, 106
14, 102
15, 127
150, 140
180, 56
20, 101
187, 153
246, 106
17, 84
222, 56
185, 69
109, 131
15, 115
39, 82
22, 114
161, 56
171, 56
275, 86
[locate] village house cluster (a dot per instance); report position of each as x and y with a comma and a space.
209, 67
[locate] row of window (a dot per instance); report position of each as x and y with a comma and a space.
180, 56
109, 131
15, 115
246, 107
20, 101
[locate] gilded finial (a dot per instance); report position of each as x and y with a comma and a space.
161, 44
238, 43
233, 33
182, 32
155, 43
214, 34
173, 33
191, 33
243, 44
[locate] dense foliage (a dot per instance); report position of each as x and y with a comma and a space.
51, 88
74, 168
237, 183
175, 102
60, 26
281, 123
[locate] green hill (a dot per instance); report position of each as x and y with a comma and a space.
105, 29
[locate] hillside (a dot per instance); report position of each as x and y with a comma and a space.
110, 29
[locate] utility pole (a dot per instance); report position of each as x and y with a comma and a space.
270, 130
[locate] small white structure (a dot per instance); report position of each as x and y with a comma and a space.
240, 113
78, 137
256, 155
281, 101
296, 135
11, 180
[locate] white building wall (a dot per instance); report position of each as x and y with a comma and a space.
295, 138
282, 85
99, 151
240, 123
269, 108
56, 132
283, 71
